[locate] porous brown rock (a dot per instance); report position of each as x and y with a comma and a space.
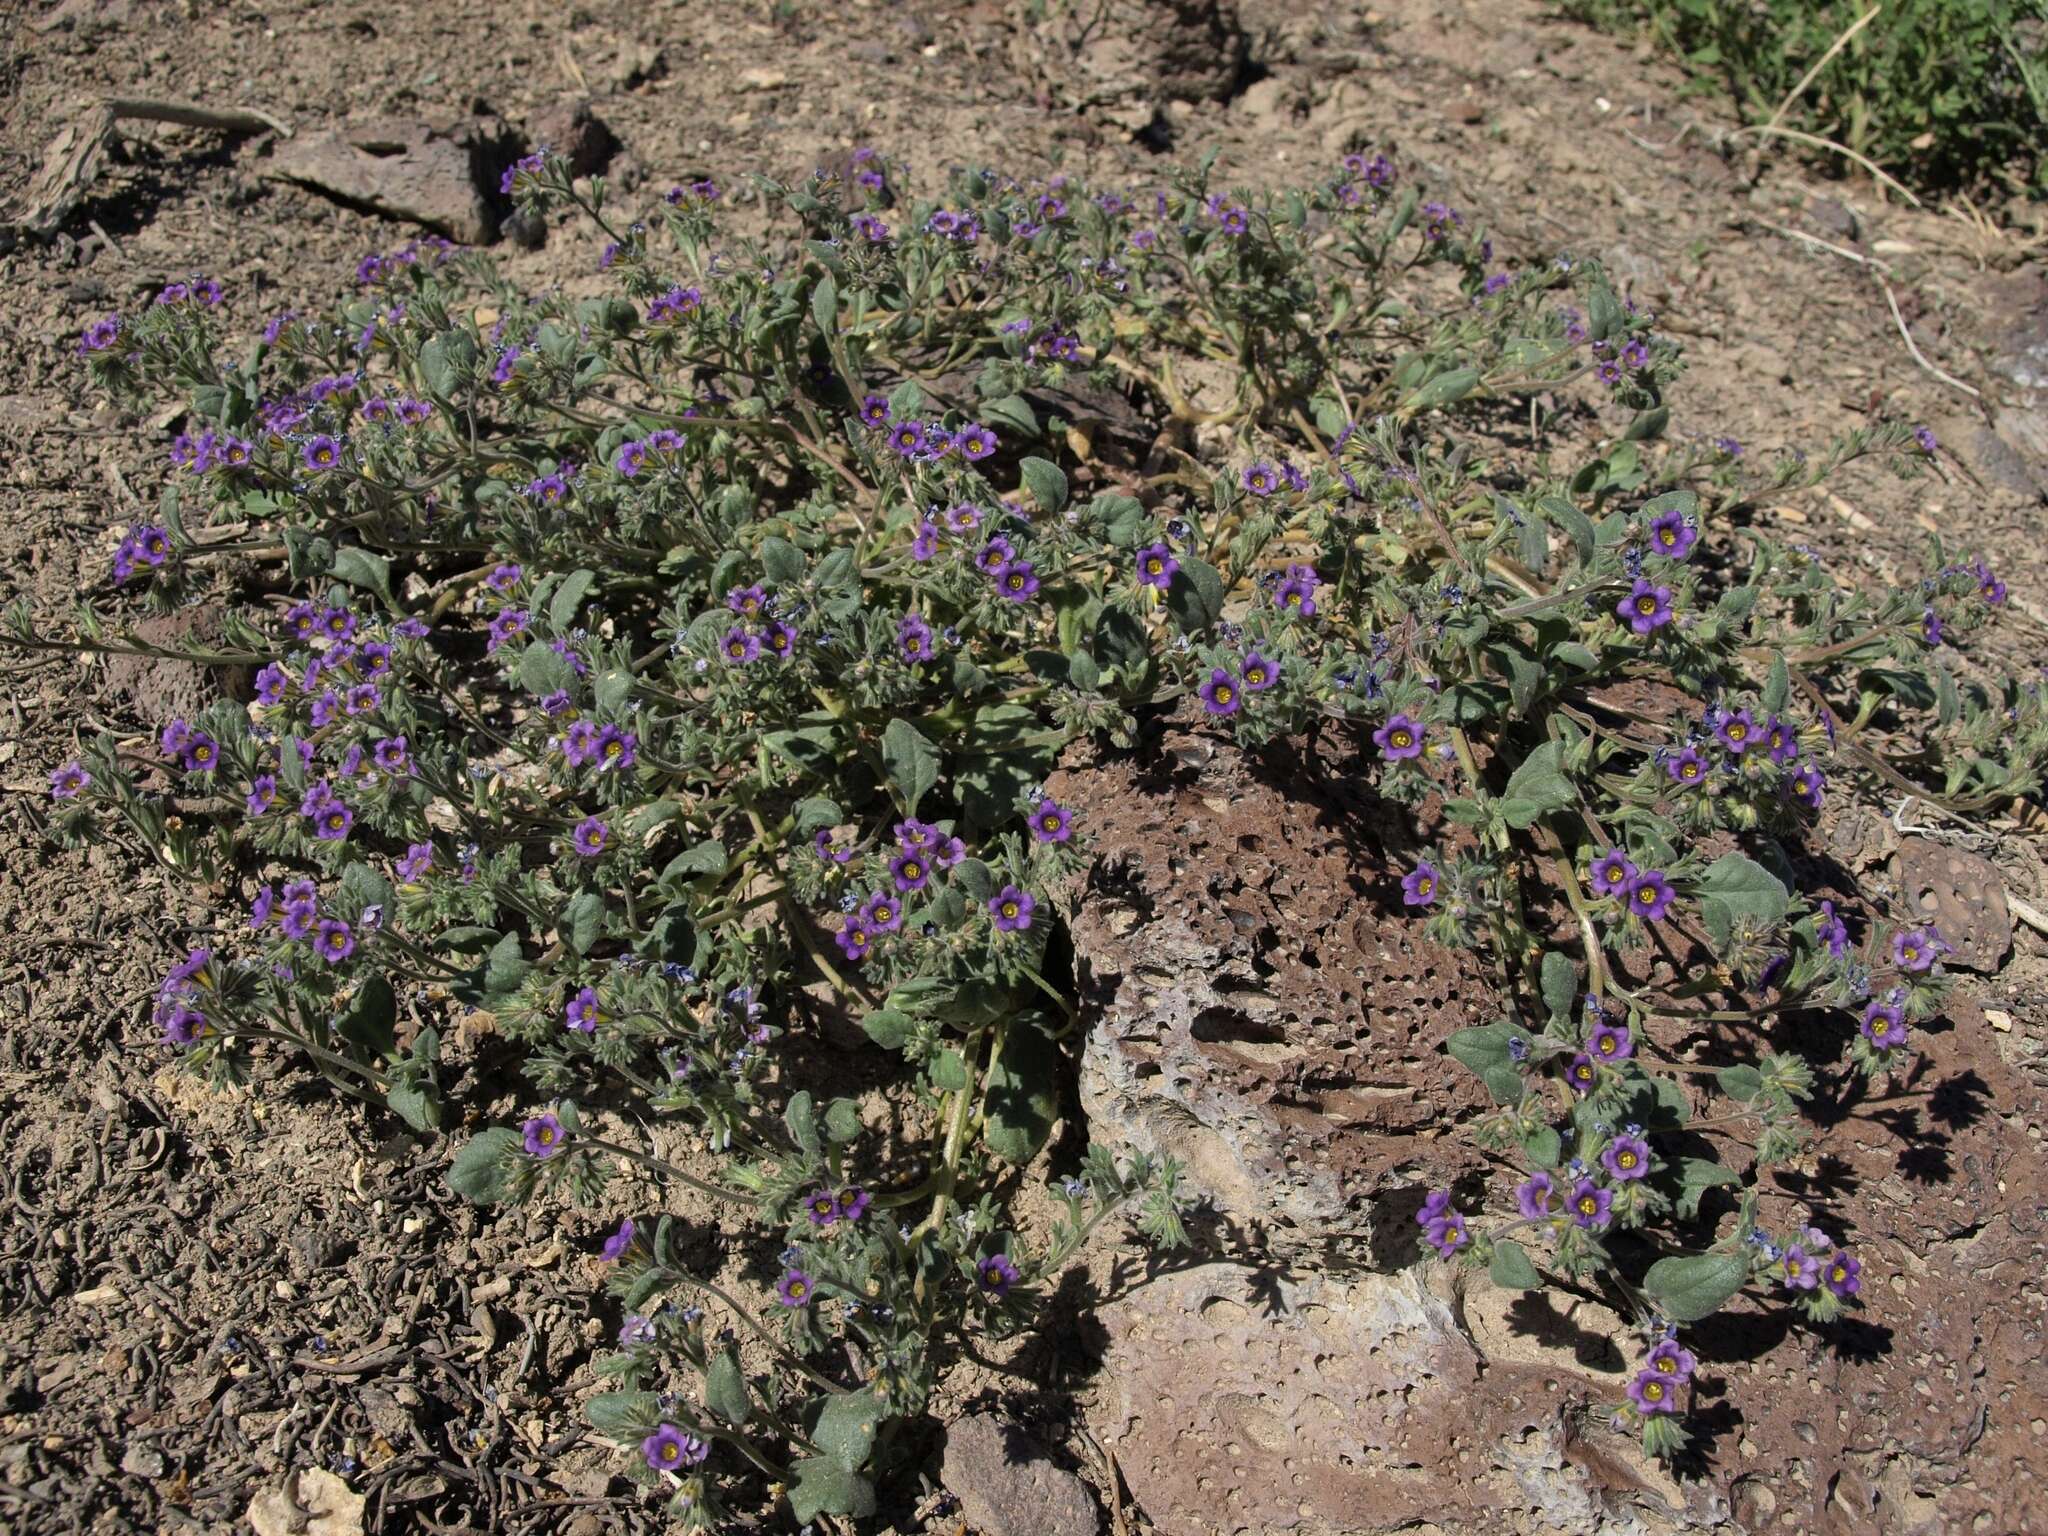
1260, 1002
441, 178
1008, 1486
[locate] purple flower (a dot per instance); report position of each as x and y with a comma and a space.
1650, 895
1610, 1042
974, 441
1672, 1359
1220, 694
1591, 1205
822, 1208
1011, 909
1831, 930
1627, 1157
333, 942
964, 517
668, 1447
68, 780
1924, 437
1536, 1196
262, 794
994, 557
418, 857
1916, 949
590, 837
1687, 767
1612, 872
635, 1331
297, 922
1447, 1233
882, 913
363, 698
1672, 535
1401, 737
332, 821
615, 1246
1259, 479
322, 452
260, 908
1989, 587
506, 626
779, 640
100, 335
994, 1275
1843, 1274
579, 743
1017, 583
1646, 607
1807, 785
1156, 565
390, 754
925, 543
853, 1202
1258, 672
1050, 822
1884, 1024
630, 459
1418, 886
583, 1014
747, 601
855, 939
1800, 1269
740, 646
794, 1289
907, 438
673, 306
909, 869
271, 683
1737, 732
874, 411
616, 748
1297, 593
1653, 1392
1782, 740
543, 1135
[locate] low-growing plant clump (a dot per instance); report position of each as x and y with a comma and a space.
1942, 92
671, 672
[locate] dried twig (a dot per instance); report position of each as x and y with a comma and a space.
1900, 320
1822, 62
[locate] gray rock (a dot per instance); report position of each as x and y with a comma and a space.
1008, 1486
1247, 1401
441, 179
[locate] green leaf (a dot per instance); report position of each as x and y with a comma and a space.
568, 598
888, 1027
1688, 1289
1444, 389
973, 878
725, 1388
1736, 886
581, 920
1543, 1147
623, 1415
1777, 686
705, 858
1013, 412
543, 669
912, 761
1573, 523
1486, 1047
1505, 1084
506, 968
824, 1487
825, 306
478, 1171
782, 562
360, 568
1538, 787
1023, 1091
1510, 1268
414, 1105
842, 1121
1046, 482
1560, 984
948, 1071
846, 1426
370, 1021
1196, 597
1742, 1084
1083, 673
802, 1119
1697, 1175
905, 401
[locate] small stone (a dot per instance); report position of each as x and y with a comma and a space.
142, 1460
312, 1502
1008, 1486
582, 138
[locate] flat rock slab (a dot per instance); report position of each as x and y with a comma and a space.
1008, 1486
1248, 1401
403, 169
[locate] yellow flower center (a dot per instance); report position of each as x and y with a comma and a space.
1646, 605
1626, 1159
1425, 885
